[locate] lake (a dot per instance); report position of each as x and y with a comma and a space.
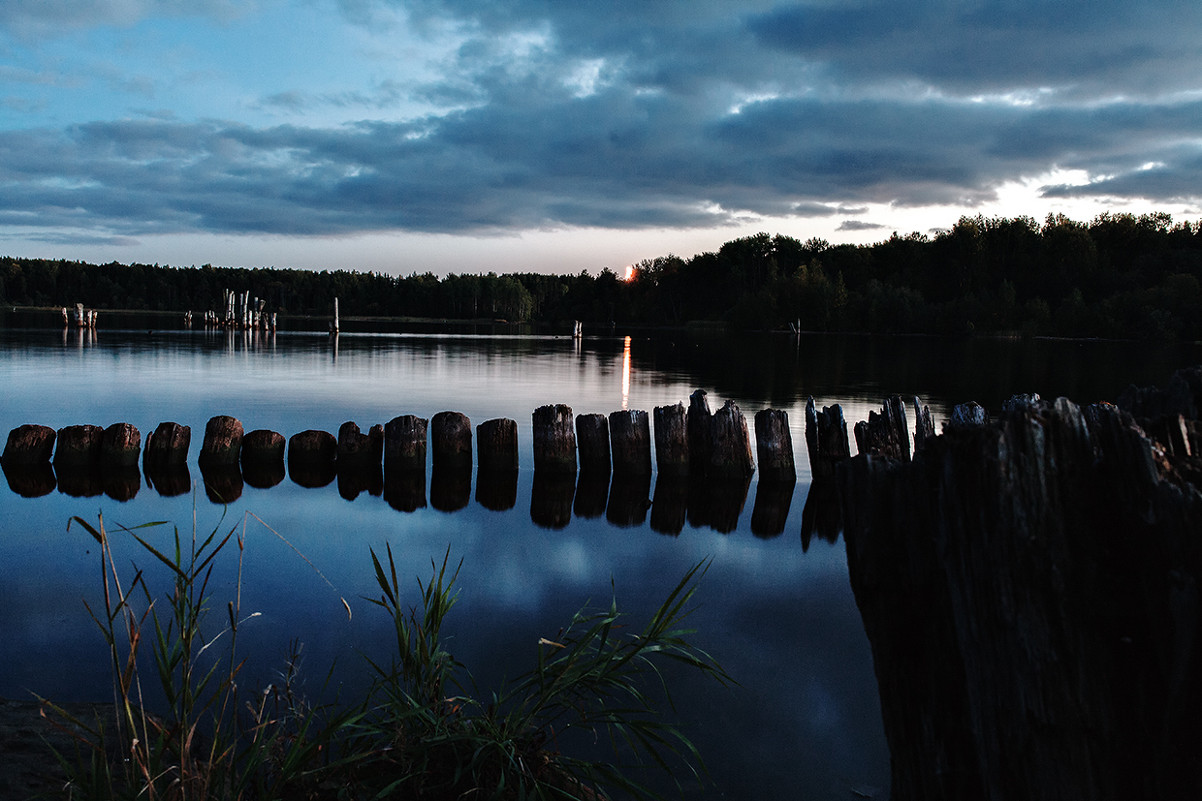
774, 608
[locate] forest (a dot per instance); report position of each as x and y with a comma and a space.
1117, 276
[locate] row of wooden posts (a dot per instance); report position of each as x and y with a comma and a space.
80, 318
687, 441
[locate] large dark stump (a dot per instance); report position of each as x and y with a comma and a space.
1032, 590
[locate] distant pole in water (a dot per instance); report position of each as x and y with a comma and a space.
577, 330
334, 324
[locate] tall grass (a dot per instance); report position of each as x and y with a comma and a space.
421, 731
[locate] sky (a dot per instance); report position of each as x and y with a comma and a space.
451, 136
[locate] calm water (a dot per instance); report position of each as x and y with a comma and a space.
777, 612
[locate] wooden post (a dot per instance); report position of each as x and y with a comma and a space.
405, 446
167, 445
497, 445
357, 450
334, 325
924, 428
29, 444
222, 441
774, 446
885, 433
671, 440
451, 440
700, 433
554, 439
78, 446
826, 439
120, 445
262, 445
732, 443
312, 455
630, 443
592, 436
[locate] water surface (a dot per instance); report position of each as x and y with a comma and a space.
776, 611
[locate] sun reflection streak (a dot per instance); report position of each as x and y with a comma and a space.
626, 374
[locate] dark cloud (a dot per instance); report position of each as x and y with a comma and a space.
635, 114
859, 225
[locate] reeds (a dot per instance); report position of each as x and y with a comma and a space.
420, 732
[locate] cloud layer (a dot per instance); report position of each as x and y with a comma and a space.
475, 117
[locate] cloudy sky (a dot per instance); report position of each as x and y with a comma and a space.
459, 136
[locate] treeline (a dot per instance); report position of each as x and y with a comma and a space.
1119, 275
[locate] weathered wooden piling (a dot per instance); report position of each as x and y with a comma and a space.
451, 440
222, 441
554, 439
1047, 562
924, 427
78, 446
497, 446
630, 442
262, 446
311, 458
262, 458
700, 433
671, 440
774, 446
885, 433
826, 439
357, 450
731, 454
405, 445
167, 445
29, 444
120, 445
592, 437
